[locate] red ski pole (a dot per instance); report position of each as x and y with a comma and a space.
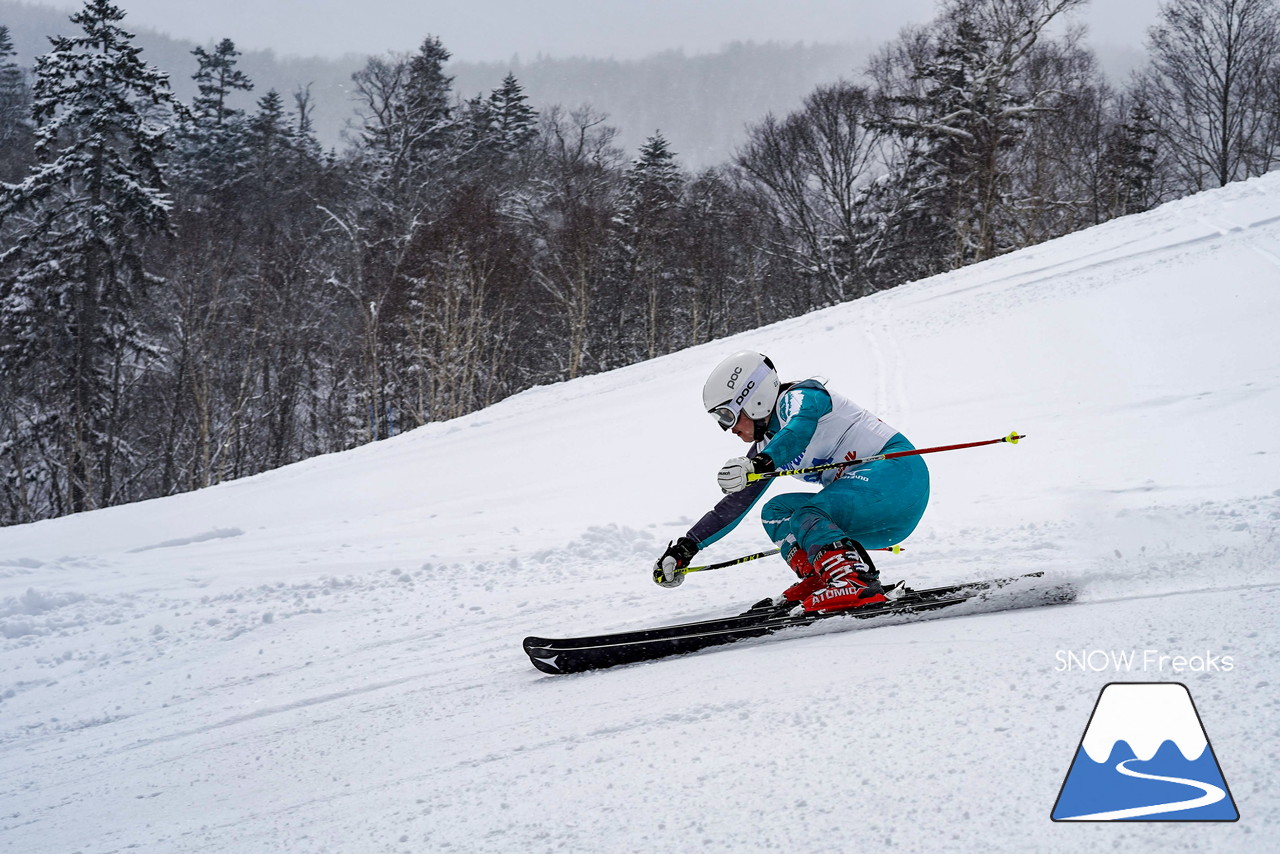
1011, 439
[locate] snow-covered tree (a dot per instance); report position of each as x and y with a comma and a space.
1131, 164
646, 234
404, 168
652, 187
73, 287
515, 123
13, 95
955, 120
959, 98
494, 128
216, 78
725, 256
247, 309
211, 143
270, 131
1057, 171
15, 113
569, 214
811, 167
427, 107
406, 110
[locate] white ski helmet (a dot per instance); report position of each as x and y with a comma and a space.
744, 382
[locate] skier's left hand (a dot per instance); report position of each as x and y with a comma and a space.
733, 474
676, 557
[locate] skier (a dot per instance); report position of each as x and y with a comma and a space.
823, 536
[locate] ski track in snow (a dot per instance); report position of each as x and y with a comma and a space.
327, 658
1210, 794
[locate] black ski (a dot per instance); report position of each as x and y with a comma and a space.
573, 655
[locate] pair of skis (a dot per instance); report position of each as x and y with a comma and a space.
574, 655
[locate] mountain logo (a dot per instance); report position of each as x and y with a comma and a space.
1145, 756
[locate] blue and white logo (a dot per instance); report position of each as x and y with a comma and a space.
1145, 757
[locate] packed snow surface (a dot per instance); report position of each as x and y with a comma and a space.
326, 658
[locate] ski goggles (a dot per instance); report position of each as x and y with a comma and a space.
726, 416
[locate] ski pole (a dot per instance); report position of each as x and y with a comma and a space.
1012, 439
657, 573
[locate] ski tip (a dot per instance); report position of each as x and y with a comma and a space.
541, 656
547, 664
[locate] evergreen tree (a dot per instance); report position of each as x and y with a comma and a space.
73, 286
12, 85
966, 103
428, 107
211, 141
409, 123
493, 130
408, 111
902, 231
652, 189
216, 78
956, 123
406, 165
16, 139
1130, 164
269, 129
478, 137
515, 123
498, 126
646, 229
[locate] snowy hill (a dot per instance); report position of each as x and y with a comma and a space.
326, 658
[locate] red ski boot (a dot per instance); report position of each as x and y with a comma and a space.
791, 598
810, 581
849, 579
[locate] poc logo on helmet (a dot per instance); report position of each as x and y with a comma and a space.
744, 393
737, 372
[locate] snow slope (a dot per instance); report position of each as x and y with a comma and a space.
326, 658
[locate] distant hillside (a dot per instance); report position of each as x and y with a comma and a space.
701, 103
330, 79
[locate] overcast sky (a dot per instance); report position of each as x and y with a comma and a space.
480, 30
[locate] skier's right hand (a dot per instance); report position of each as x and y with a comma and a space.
735, 474
676, 557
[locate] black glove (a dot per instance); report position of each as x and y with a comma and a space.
676, 557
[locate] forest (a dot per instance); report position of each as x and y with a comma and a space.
195, 292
